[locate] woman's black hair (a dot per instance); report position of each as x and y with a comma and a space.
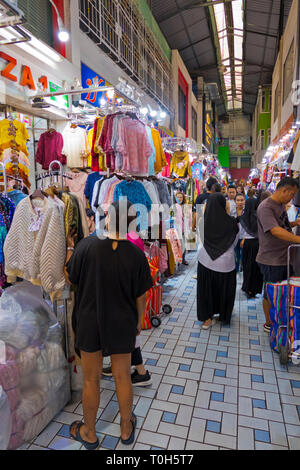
122, 214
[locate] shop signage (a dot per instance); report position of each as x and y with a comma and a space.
88, 78
240, 146
22, 74
209, 133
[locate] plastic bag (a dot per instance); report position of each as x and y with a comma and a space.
5, 420
35, 374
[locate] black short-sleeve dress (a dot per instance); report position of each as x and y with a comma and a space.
108, 284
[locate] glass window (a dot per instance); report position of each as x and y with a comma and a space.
262, 139
288, 73
246, 162
263, 102
194, 125
233, 162
181, 108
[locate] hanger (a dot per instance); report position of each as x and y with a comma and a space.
38, 194
51, 130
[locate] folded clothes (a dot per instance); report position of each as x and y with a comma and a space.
32, 403
9, 375
27, 360
36, 425
51, 358
14, 398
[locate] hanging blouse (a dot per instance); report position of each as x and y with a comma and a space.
161, 161
13, 132
7, 209
166, 172
152, 158
49, 149
197, 171
77, 184
75, 147
134, 145
181, 166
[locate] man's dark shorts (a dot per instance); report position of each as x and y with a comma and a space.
273, 274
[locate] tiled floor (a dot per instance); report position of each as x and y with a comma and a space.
217, 389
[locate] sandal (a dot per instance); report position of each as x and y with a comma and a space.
130, 440
77, 437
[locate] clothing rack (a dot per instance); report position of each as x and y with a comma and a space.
52, 173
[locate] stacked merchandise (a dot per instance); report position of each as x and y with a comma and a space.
35, 247
7, 209
13, 149
5, 420
35, 375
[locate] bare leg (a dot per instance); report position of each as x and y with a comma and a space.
267, 307
121, 368
141, 369
92, 369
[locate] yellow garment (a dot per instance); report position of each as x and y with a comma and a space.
161, 161
171, 260
97, 149
13, 132
180, 165
68, 212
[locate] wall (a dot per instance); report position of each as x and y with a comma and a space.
147, 14
178, 65
285, 110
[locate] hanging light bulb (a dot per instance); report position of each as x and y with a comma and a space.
163, 115
103, 102
144, 111
153, 113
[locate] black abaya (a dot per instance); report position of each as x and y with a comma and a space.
253, 279
215, 294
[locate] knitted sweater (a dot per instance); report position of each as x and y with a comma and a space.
37, 256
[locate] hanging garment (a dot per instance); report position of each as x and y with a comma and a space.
134, 145
16, 164
35, 248
136, 194
152, 158
161, 161
163, 192
77, 184
13, 133
180, 165
49, 149
171, 258
173, 237
97, 157
166, 171
7, 209
90, 184
16, 196
197, 171
75, 147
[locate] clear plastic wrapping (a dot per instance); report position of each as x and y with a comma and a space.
5, 420
34, 374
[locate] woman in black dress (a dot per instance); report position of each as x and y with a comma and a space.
253, 280
111, 277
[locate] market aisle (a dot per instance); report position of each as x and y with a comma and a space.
222, 388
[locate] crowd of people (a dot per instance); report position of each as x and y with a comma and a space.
237, 230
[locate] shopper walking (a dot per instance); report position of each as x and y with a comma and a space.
216, 287
275, 236
253, 279
111, 277
231, 195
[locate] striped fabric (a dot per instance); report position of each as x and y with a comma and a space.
277, 295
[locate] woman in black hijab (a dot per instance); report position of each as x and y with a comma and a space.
216, 268
253, 280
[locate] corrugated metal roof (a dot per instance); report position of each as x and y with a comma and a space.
189, 31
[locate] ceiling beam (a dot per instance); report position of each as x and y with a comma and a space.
191, 6
194, 43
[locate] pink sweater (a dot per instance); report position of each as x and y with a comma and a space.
49, 149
